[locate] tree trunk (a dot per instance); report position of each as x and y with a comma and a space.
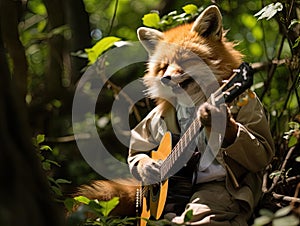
25, 194
10, 14
78, 20
55, 68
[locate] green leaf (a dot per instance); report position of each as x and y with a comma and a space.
283, 211
45, 148
248, 20
53, 162
276, 173
294, 125
296, 42
288, 220
269, 11
151, 20
42, 158
297, 159
100, 47
63, 181
95, 207
56, 190
82, 199
40, 138
37, 7
58, 30
56, 103
51, 179
190, 9
258, 85
69, 203
46, 165
188, 215
266, 212
263, 220
292, 141
256, 49
80, 54
294, 22
257, 33
108, 206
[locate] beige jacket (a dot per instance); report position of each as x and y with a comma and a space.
244, 160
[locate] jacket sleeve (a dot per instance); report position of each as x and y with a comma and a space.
145, 137
253, 147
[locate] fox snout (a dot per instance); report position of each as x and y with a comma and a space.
167, 80
177, 83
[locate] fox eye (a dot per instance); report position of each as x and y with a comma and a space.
163, 67
160, 68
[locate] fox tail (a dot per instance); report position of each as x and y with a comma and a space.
104, 190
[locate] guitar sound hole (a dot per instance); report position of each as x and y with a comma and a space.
156, 189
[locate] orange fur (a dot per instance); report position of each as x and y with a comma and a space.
104, 190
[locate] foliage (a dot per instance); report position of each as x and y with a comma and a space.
101, 46
83, 211
293, 135
94, 212
55, 184
172, 19
279, 218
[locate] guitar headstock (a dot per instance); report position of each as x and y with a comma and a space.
241, 80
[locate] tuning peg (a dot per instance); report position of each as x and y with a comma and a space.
225, 81
236, 70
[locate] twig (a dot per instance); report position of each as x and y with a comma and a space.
117, 90
114, 17
296, 194
294, 85
290, 179
285, 198
276, 178
265, 179
272, 70
261, 66
66, 139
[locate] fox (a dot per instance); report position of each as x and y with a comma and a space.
170, 53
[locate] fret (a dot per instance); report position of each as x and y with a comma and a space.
185, 140
189, 133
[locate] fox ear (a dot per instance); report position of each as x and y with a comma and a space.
149, 38
209, 23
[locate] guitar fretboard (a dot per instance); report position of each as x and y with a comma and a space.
178, 149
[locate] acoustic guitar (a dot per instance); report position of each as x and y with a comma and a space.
151, 199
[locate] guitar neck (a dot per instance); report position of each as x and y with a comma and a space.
179, 148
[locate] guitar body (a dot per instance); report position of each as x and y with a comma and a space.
155, 196
172, 194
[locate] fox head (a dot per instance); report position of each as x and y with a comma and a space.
185, 61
